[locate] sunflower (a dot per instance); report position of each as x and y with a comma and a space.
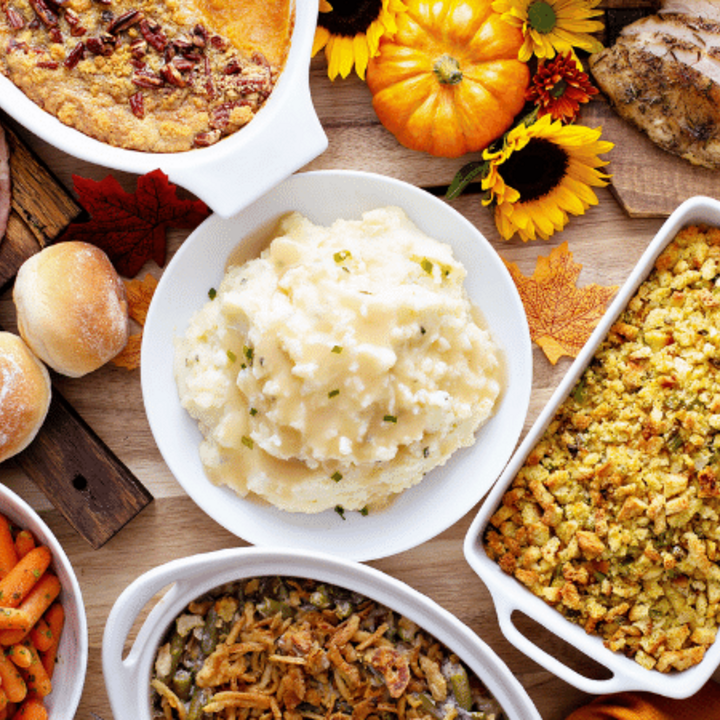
559, 86
543, 172
552, 26
350, 32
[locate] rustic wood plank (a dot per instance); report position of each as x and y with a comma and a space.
41, 207
93, 490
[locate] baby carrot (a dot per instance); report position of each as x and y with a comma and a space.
12, 682
13, 619
20, 655
33, 606
21, 579
36, 678
24, 543
33, 708
55, 618
41, 635
8, 554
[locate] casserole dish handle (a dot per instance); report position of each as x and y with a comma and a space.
618, 682
126, 678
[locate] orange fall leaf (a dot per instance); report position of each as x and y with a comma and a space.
560, 315
139, 295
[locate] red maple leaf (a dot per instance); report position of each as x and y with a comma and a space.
131, 227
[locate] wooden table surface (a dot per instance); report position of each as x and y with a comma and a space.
606, 241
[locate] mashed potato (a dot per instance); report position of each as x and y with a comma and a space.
338, 367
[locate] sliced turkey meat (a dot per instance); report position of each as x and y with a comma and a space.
663, 75
5, 186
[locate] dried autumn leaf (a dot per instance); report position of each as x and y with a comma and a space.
139, 295
561, 316
131, 227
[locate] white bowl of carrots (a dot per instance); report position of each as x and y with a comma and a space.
43, 627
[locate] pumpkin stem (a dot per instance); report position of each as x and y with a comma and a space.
447, 70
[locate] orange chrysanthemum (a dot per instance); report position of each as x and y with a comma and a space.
559, 87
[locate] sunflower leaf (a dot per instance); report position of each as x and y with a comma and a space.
472, 171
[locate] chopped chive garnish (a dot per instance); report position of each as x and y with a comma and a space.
390, 418
336, 476
232, 357
364, 511
253, 411
243, 366
340, 510
426, 452
333, 393
426, 265
248, 442
341, 255
337, 349
212, 292
248, 351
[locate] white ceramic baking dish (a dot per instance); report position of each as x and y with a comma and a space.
69, 675
283, 137
510, 596
127, 677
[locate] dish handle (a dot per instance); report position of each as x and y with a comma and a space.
127, 690
618, 682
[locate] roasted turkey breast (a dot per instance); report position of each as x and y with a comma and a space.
663, 75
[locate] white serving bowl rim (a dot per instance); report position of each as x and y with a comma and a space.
284, 136
72, 658
445, 494
510, 596
127, 675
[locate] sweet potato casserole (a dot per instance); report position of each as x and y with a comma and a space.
143, 75
289, 648
614, 519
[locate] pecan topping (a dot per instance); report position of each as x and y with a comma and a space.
75, 56
137, 105
15, 20
207, 138
47, 64
200, 36
125, 21
172, 75
43, 11
153, 34
147, 79
103, 45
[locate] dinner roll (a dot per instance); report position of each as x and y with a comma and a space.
71, 307
24, 395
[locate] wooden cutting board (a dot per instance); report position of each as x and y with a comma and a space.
79, 474
647, 181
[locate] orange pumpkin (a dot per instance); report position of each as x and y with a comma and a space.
449, 81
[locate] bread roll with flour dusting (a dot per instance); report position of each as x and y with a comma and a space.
24, 395
71, 307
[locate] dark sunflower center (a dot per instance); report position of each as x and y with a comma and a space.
350, 17
542, 17
535, 170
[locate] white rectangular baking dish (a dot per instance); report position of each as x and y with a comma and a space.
510, 596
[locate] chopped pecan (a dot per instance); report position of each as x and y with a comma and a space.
206, 139
102, 45
153, 34
55, 35
75, 56
147, 79
138, 48
137, 105
43, 11
182, 63
200, 36
218, 42
16, 20
124, 21
233, 67
172, 75
47, 64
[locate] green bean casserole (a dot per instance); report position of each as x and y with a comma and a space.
286, 649
613, 519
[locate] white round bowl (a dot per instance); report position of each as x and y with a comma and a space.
127, 676
69, 675
445, 494
283, 137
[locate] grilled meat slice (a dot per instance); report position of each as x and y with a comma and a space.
663, 75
